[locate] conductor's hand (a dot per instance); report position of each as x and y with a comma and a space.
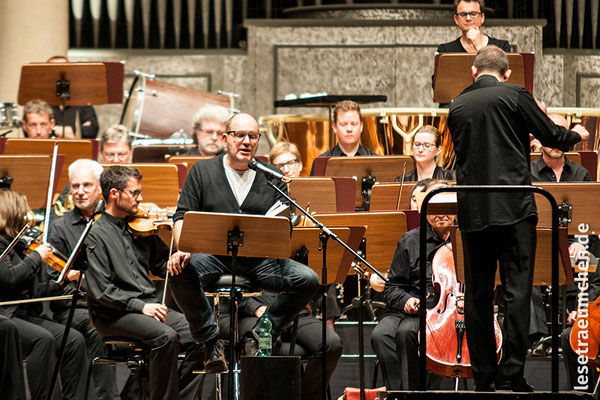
156, 311
411, 306
585, 135
178, 261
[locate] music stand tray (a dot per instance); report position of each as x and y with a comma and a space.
338, 258
452, 73
264, 237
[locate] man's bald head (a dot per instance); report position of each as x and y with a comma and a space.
559, 120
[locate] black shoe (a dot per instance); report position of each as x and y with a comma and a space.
485, 388
215, 360
518, 385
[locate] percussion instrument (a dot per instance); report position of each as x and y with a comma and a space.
157, 109
9, 116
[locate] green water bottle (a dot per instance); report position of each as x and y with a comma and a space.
263, 328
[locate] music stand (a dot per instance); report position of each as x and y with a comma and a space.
306, 241
368, 170
162, 182
72, 150
578, 200
235, 235
188, 161
32, 185
384, 196
452, 73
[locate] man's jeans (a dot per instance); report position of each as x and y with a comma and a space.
295, 282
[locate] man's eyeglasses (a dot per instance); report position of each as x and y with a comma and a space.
425, 145
210, 132
86, 187
134, 193
241, 135
288, 164
471, 14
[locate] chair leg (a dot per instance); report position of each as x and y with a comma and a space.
375, 373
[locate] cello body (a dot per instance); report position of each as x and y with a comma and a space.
585, 334
447, 351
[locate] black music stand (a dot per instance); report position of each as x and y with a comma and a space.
330, 101
235, 235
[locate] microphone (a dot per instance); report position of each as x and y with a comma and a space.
99, 207
254, 165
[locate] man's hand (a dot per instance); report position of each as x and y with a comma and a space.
585, 135
260, 311
177, 262
411, 306
377, 283
476, 38
572, 317
535, 145
156, 311
575, 249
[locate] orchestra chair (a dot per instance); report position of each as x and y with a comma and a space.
221, 288
134, 354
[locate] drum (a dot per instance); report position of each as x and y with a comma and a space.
158, 109
9, 116
386, 131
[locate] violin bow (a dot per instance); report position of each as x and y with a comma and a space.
49, 196
401, 186
14, 241
164, 296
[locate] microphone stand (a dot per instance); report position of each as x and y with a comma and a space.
324, 236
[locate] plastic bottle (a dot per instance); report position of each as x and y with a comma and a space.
263, 328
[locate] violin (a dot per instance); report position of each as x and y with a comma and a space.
150, 218
55, 259
447, 351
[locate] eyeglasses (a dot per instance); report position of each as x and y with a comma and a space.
87, 187
134, 193
471, 14
241, 135
425, 145
210, 132
287, 164
112, 156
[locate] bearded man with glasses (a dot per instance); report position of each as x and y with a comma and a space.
469, 16
225, 184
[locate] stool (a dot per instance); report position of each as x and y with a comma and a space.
221, 288
124, 350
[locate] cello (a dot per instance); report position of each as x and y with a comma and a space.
447, 351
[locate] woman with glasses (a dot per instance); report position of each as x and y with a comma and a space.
469, 16
427, 146
286, 157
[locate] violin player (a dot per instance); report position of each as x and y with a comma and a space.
122, 298
490, 122
63, 235
38, 120
26, 277
395, 338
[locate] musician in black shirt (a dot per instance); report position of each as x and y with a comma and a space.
123, 300
469, 17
